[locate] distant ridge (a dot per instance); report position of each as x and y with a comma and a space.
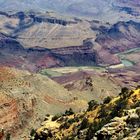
89, 8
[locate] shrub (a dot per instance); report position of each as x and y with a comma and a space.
120, 105
89, 81
124, 92
47, 115
8, 136
107, 100
65, 125
137, 104
54, 118
103, 112
69, 112
95, 127
71, 121
92, 104
33, 132
138, 87
84, 124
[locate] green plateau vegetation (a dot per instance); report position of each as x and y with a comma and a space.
56, 72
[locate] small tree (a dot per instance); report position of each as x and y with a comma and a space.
92, 104
107, 100
103, 112
69, 112
89, 81
124, 92
54, 118
8, 136
84, 124
32, 133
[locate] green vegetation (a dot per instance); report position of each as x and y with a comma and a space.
107, 100
56, 72
54, 118
84, 124
32, 133
92, 104
50, 73
69, 112
124, 92
88, 124
8, 136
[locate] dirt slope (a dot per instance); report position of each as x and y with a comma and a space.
26, 98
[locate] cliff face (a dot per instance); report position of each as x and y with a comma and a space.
40, 18
8, 43
77, 55
26, 98
116, 39
9, 112
110, 41
116, 118
34, 59
120, 37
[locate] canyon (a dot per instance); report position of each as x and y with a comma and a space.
58, 57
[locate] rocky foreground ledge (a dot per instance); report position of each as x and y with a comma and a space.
117, 118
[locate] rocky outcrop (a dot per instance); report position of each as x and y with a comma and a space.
8, 43
117, 118
52, 20
77, 55
8, 113
126, 127
39, 18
